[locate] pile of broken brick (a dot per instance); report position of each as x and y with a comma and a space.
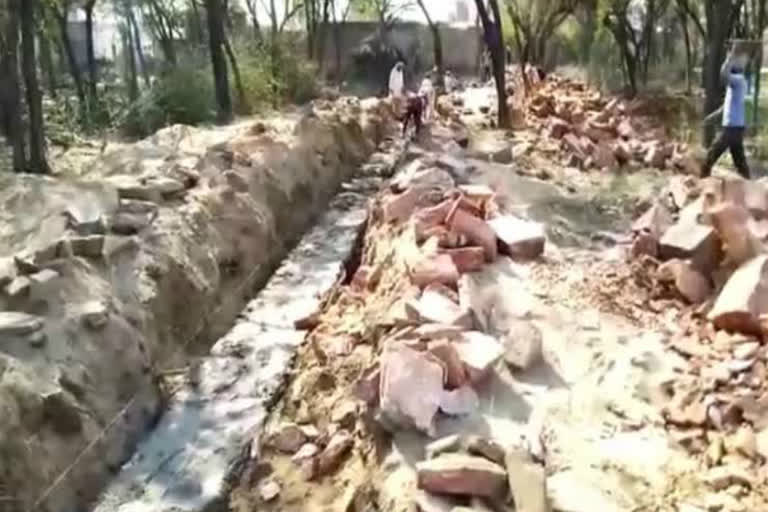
602, 133
709, 239
435, 363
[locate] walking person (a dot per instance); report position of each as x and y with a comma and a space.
397, 87
733, 114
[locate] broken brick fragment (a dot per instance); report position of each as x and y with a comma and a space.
467, 259
476, 230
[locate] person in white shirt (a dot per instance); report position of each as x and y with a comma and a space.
427, 92
450, 82
397, 87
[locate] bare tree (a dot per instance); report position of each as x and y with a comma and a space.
88, 7
535, 22
494, 40
215, 15
37, 159
437, 43
60, 9
10, 94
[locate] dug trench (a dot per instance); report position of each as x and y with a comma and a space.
117, 282
505, 344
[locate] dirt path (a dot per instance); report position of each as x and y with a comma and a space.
591, 406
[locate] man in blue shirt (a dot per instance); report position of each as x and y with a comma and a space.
733, 110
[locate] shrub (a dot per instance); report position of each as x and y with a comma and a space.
182, 95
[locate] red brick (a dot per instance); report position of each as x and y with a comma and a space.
463, 475
400, 207
603, 156
434, 269
558, 127
690, 240
477, 232
467, 259
455, 373
405, 371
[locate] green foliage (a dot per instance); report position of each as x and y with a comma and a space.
183, 95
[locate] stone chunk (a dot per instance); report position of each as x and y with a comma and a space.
693, 241
477, 232
435, 307
479, 353
14, 323
403, 371
330, 458
558, 128
400, 207
90, 246
527, 481
743, 299
603, 156
288, 438
522, 342
458, 168
367, 388
462, 475
448, 444
18, 288
459, 402
63, 415
269, 490
722, 477
655, 221
732, 223
519, 238
656, 157
130, 223
484, 447
691, 284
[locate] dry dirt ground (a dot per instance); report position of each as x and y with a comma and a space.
594, 411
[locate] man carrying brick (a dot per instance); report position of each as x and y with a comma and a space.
733, 114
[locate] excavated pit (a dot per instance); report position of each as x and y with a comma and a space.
122, 281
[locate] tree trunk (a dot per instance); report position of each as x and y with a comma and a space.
688, 54
495, 42
242, 100
74, 70
136, 41
720, 20
37, 160
130, 61
251, 5
197, 22
11, 95
220, 77
46, 62
337, 27
91, 53
437, 44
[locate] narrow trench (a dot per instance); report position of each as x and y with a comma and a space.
204, 432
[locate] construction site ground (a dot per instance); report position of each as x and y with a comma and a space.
599, 412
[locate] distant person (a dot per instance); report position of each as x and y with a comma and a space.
485, 66
733, 112
414, 111
427, 92
450, 82
397, 86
